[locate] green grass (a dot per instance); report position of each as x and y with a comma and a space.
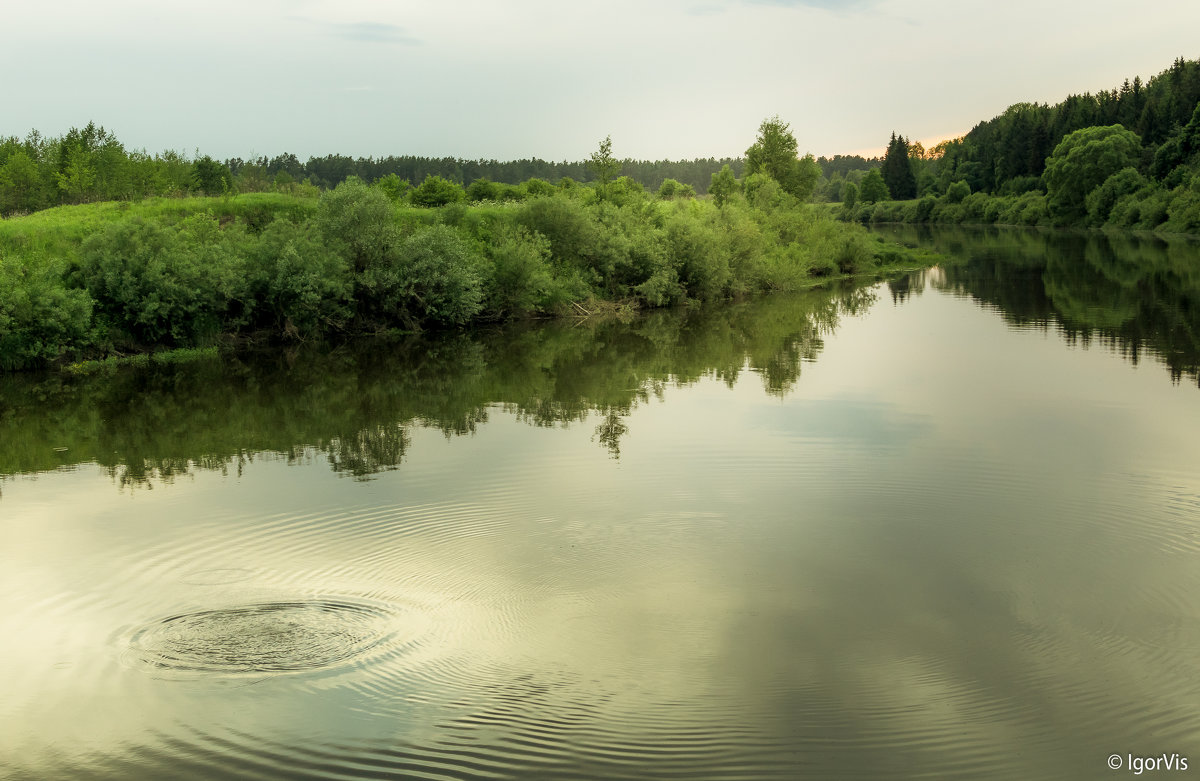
59, 232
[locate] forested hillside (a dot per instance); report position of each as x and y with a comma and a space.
1126, 157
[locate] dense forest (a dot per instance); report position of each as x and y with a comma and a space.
1128, 157
123, 277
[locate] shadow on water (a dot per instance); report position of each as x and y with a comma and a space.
1135, 295
355, 405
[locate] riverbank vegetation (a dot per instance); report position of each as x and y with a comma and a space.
357, 404
1123, 158
96, 280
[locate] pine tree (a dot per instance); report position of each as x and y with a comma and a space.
897, 171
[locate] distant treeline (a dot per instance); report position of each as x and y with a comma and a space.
1127, 157
90, 165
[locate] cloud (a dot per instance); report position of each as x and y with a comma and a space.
374, 32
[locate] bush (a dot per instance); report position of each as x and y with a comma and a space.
305, 287
1101, 200
1183, 210
521, 281
483, 190
436, 191
536, 188
695, 250
358, 220
178, 288
393, 187
956, 192
566, 224
433, 277
672, 189
40, 319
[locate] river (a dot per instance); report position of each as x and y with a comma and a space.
943, 525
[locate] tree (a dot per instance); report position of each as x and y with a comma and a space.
210, 177
849, 195
873, 187
723, 185
1082, 161
19, 184
604, 166
774, 154
391, 185
897, 171
436, 191
774, 151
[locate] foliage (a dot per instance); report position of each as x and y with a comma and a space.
873, 188
957, 191
1101, 200
1083, 160
209, 177
849, 195
436, 191
305, 287
671, 189
603, 165
897, 170
522, 280
440, 276
392, 186
40, 319
722, 186
774, 154
483, 190
177, 288
358, 219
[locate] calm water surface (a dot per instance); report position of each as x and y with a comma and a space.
944, 526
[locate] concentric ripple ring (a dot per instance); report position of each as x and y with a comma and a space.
262, 638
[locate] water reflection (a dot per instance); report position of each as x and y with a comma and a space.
950, 547
1131, 294
355, 406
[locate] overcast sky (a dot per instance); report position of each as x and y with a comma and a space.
550, 78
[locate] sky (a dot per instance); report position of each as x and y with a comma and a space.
490, 79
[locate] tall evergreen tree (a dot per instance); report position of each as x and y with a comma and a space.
897, 171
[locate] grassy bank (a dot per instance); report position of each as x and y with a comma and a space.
93, 281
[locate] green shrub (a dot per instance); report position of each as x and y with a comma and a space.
175, 287
537, 188
672, 189
521, 281
483, 190
567, 225
957, 191
1101, 200
40, 319
358, 220
436, 191
433, 277
304, 286
393, 187
695, 250
1183, 211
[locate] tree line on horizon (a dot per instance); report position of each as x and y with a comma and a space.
90, 164
1125, 158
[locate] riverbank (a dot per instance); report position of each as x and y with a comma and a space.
100, 281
